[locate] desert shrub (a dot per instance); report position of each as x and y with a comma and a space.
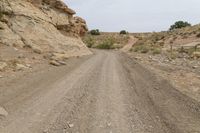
161, 43
182, 50
189, 51
156, 51
106, 44
123, 32
198, 35
145, 50
89, 42
173, 56
194, 32
179, 24
141, 49
95, 32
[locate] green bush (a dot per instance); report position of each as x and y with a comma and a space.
95, 32
106, 44
123, 32
89, 42
179, 24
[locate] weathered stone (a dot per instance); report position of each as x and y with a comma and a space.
45, 26
71, 125
196, 54
3, 65
54, 63
21, 67
3, 112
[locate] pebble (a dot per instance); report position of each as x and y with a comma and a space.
71, 125
3, 112
45, 131
1, 76
194, 67
62, 62
109, 124
15, 49
55, 63
156, 88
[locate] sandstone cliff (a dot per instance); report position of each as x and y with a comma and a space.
46, 27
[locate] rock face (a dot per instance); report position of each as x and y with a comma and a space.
45, 26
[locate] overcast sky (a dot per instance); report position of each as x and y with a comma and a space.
135, 15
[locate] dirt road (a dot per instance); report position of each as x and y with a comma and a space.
129, 45
107, 92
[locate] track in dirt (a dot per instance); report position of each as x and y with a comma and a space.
105, 93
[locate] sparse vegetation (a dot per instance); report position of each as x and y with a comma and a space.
189, 50
198, 35
123, 32
141, 49
156, 51
117, 40
150, 43
179, 24
89, 42
95, 32
170, 44
106, 44
172, 55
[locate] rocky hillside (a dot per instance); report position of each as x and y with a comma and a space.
39, 28
181, 43
174, 55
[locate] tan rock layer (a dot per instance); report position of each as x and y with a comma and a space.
43, 25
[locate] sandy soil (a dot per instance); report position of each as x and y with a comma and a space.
102, 93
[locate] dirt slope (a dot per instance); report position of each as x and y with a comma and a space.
106, 92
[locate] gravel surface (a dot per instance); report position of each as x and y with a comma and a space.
107, 92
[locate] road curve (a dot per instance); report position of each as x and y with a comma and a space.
107, 92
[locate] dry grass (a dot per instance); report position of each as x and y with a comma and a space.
114, 40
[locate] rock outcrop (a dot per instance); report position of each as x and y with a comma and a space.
44, 26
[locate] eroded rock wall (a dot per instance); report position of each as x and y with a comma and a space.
45, 26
